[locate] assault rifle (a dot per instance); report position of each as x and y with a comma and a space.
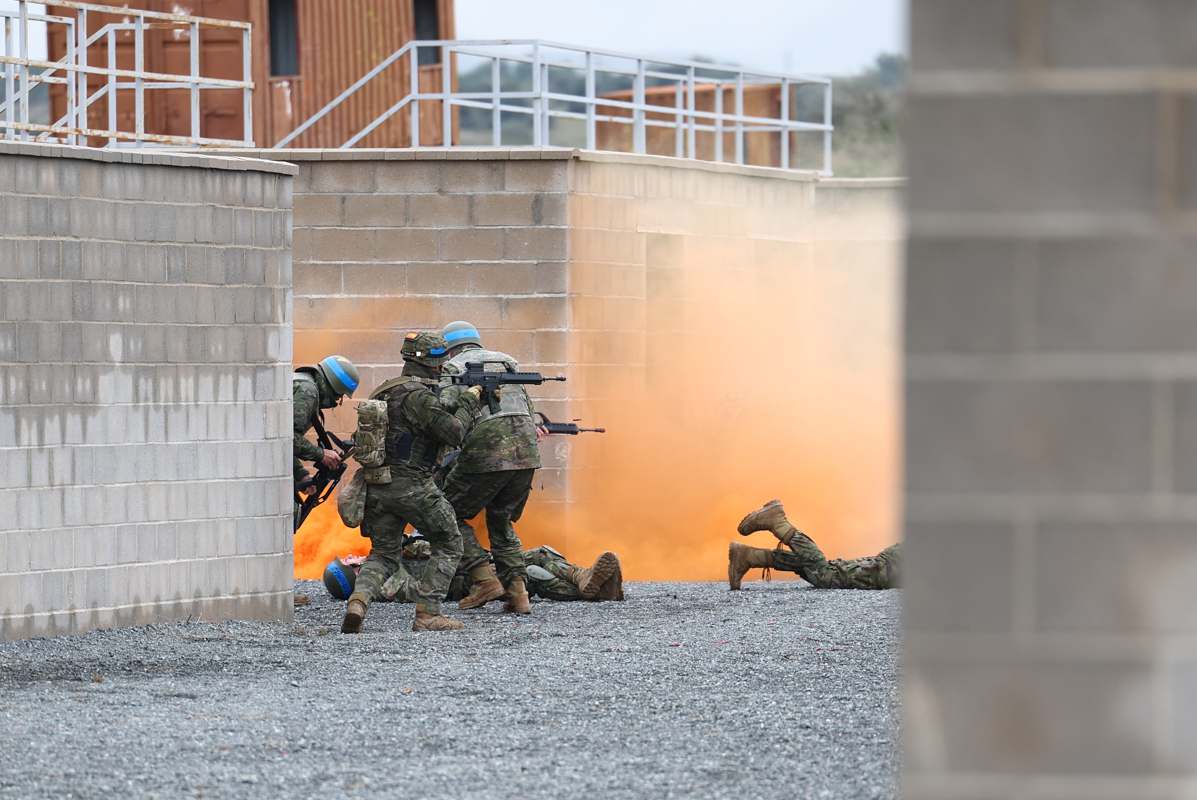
476, 374
567, 428
325, 481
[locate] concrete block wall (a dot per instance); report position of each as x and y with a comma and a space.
1051, 400
145, 357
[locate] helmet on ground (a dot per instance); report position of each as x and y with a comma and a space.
340, 373
339, 579
424, 347
461, 332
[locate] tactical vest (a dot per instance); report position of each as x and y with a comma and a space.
404, 445
513, 400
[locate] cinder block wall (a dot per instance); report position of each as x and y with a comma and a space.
1051, 400
144, 389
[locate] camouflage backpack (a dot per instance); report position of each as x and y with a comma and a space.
370, 441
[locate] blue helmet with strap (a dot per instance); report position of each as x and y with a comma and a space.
340, 373
461, 332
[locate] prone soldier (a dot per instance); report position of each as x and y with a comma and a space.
418, 425
805, 558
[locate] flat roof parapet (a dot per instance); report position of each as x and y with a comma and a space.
227, 160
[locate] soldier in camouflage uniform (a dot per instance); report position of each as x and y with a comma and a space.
550, 576
805, 558
494, 472
312, 390
418, 425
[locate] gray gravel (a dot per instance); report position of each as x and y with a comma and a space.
685, 690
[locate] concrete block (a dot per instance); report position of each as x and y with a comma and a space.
1107, 34
438, 211
1115, 295
533, 313
437, 278
1187, 189
1074, 154
994, 436
349, 177
971, 562
535, 244
403, 245
501, 278
505, 209
318, 279
408, 177
371, 279
388, 211
536, 176
964, 34
1069, 554
471, 244
471, 177
1031, 716
1183, 437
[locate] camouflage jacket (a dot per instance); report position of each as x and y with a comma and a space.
499, 443
442, 422
305, 398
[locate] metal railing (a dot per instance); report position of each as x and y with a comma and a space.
21, 74
567, 83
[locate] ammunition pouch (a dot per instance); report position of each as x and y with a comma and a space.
377, 476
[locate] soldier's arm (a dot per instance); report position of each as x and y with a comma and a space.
448, 427
306, 407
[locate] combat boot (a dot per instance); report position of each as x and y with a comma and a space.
428, 621
592, 579
769, 517
484, 587
355, 613
517, 598
612, 588
741, 558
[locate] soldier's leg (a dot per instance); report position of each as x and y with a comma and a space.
469, 493
505, 507
550, 576
805, 558
383, 524
427, 509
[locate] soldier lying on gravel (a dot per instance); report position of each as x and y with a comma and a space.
805, 558
550, 576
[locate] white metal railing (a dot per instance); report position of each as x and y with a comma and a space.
677, 87
21, 74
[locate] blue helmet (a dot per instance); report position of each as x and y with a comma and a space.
340, 373
461, 332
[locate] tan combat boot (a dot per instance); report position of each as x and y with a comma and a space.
592, 579
769, 517
484, 587
517, 598
429, 621
355, 613
612, 588
741, 558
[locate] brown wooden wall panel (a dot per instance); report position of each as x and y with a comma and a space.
339, 42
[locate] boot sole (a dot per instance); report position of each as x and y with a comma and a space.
745, 528
493, 594
352, 623
604, 568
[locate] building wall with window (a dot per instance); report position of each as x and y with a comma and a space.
305, 53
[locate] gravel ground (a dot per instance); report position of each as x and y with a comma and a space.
685, 690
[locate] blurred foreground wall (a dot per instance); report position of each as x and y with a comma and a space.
1051, 400
144, 389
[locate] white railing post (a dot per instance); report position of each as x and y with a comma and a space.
719, 120
415, 95
247, 92
828, 129
537, 99
739, 117
139, 86
638, 138
591, 102
496, 113
691, 145
80, 78
10, 80
23, 32
785, 118
546, 137
679, 134
446, 93
194, 36
111, 92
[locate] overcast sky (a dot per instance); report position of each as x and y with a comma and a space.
823, 36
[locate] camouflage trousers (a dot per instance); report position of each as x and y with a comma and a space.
503, 495
549, 577
389, 508
805, 558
